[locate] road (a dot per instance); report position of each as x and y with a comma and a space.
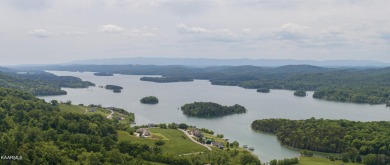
189, 136
110, 116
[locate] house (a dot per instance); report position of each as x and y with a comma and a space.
143, 132
151, 125
197, 133
218, 144
93, 109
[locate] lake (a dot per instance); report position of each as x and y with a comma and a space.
276, 104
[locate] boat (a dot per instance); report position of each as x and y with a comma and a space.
251, 148
245, 146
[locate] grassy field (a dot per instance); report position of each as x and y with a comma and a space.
81, 110
321, 161
71, 108
174, 141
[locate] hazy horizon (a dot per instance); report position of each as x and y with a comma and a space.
53, 32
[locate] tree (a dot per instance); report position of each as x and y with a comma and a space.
54, 102
183, 126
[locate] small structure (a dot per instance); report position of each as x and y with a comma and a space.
151, 125
143, 132
93, 109
218, 144
197, 133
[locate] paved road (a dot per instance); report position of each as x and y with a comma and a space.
189, 136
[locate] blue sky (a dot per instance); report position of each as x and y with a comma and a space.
45, 31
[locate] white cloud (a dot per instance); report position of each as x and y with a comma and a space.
40, 33
109, 28
184, 28
145, 32
295, 28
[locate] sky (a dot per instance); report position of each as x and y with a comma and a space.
58, 31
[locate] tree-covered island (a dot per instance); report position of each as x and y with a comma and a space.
263, 90
103, 74
166, 79
149, 100
300, 93
209, 109
114, 88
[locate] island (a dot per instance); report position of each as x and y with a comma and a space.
209, 109
114, 88
103, 74
166, 79
149, 100
263, 90
300, 93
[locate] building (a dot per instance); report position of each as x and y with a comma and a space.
143, 132
93, 109
197, 133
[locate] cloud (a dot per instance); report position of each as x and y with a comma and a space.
184, 28
40, 33
141, 32
203, 34
109, 28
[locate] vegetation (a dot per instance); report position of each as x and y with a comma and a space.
149, 100
166, 79
284, 161
43, 134
209, 109
360, 85
300, 93
113, 87
263, 90
350, 138
40, 83
103, 74
321, 161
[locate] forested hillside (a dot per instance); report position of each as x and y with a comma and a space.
40, 83
335, 136
39, 133
360, 85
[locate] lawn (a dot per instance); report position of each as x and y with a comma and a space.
81, 110
321, 161
71, 108
174, 141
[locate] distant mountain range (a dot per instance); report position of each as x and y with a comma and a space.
228, 62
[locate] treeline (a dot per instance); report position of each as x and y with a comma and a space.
360, 85
209, 109
40, 83
351, 138
284, 161
166, 79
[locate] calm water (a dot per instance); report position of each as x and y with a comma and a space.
277, 104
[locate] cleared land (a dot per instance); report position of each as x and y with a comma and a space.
176, 142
